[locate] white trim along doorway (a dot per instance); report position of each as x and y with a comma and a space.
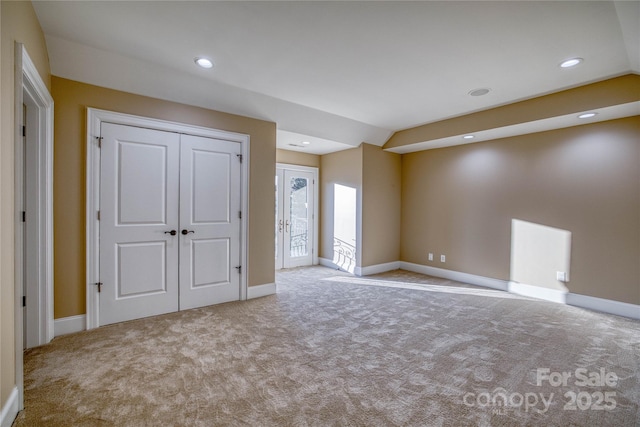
96, 119
296, 226
33, 216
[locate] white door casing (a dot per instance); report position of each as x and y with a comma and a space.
29, 89
209, 221
139, 173
95, 119
38, 201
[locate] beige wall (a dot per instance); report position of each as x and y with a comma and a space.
18, 23
381, 205
459, 201
345, 168
376, 176
71, 101
296, 158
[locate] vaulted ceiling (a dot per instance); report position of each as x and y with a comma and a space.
340, 73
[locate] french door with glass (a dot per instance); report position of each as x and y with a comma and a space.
295, 212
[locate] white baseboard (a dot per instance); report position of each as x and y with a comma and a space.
261, 290
378, 268
10, 409
69, 325
327, 263
591, 303
546, 294
472, 279
604, 305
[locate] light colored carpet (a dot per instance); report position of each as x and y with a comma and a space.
396, 349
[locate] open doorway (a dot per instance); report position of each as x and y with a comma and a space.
33, 331
33, 211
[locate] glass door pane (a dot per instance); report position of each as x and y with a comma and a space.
295, 225
298, 216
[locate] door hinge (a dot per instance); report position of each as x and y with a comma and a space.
24, 301
240, 214
239, 157
98, 214
239, 268
99, 138
24, 216
24, 131
99, 285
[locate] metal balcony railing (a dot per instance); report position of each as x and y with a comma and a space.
344, 254
298, 246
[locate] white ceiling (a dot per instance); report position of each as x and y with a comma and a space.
340, 73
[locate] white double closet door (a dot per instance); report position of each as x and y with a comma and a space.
169, 226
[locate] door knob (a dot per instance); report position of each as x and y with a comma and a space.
172, 232
185, 231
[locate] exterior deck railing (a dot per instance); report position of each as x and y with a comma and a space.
344, 254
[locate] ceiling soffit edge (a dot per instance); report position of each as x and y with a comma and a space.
608, 93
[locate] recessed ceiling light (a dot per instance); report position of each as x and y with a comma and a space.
203, 62
468, 137
570, 62
479, 92
306, 142
586, 115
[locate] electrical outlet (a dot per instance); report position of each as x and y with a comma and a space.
561, 276
443, 258
430, 256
